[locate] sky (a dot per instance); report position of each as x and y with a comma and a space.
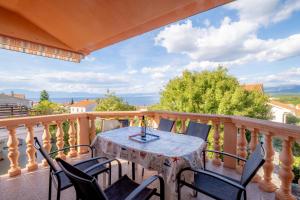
257, 41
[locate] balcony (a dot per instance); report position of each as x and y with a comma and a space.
274, 180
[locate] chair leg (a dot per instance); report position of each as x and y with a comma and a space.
245, 195
195, 193
58, 194
50, 187
58, 189
109, 177
133, 170
178, 190
204, 161
143, 172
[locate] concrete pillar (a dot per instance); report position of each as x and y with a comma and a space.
83, 133
230, 144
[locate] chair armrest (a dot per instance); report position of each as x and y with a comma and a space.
91, 159
216, 176
80, 145
106, 162
226, 154
144, 184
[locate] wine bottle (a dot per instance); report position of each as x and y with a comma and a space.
143, 127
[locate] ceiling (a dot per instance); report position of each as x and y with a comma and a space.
83, 26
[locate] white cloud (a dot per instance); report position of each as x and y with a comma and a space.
288, 8
206, 22
157, 72
89, 58
65, 81
287, 77
132, 71
234, 42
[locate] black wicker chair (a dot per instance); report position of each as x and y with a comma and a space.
87, 187
199, 130
60, 180
165, 125
222, 187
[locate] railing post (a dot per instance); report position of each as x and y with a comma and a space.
60, 139
174, 128
131, 121
230, 143
156, 120
183, 126
266, 183
216, 160
30, 151
253, 143
140, 120
72, 139
92, 129
13, 152
46, 142
242, 147
286, 171
83, 133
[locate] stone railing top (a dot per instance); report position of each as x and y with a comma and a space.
265, 126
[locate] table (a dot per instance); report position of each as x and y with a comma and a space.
168, 155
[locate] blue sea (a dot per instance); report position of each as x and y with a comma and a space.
141, 100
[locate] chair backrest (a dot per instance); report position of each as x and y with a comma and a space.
44, 153
198, 130
87, 187
255, 161
124, 123
165, 124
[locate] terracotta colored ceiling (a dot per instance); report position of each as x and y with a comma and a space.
83, 26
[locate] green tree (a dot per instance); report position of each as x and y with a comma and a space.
291, 119
212, 92
44, 96
111, 102
47, 108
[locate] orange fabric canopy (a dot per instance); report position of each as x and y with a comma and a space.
71, 29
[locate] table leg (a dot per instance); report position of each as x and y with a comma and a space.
170, 194
133, 170
104, 180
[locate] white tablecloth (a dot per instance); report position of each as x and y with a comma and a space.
168, 155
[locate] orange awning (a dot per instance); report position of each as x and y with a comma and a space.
71, 29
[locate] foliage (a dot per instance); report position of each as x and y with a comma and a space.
46, 108
111, 102
44, 96
53, 130
291, 119
290, 99
296, 169
212, 92
277, 143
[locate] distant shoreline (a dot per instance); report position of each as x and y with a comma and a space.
134, 100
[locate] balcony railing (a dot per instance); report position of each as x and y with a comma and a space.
232, 128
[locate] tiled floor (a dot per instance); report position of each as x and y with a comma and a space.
34, 186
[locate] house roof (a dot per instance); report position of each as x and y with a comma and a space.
83, 103
283, 105
71, 29
8, 99
259, 87
293, 109
21, 96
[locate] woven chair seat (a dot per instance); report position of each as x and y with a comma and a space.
123, 187
211, 185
